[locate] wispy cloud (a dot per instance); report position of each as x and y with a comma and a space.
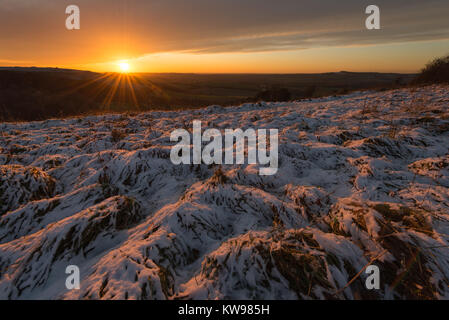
14, 62
35, 29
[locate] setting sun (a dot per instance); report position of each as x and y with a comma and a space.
124, 67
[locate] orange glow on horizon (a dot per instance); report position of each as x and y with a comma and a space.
386, 58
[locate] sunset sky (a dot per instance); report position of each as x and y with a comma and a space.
224, 36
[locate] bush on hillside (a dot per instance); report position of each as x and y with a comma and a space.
436, 71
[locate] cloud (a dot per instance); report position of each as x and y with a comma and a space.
14, 62
210, 26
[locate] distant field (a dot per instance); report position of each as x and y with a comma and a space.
232, 88
39, 93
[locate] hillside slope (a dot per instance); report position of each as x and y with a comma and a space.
362, 177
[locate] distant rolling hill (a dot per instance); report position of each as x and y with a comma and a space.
41, 93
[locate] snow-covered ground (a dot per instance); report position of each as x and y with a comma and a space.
362, 178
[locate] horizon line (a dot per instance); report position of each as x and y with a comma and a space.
207, 73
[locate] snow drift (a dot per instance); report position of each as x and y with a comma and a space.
363, 178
